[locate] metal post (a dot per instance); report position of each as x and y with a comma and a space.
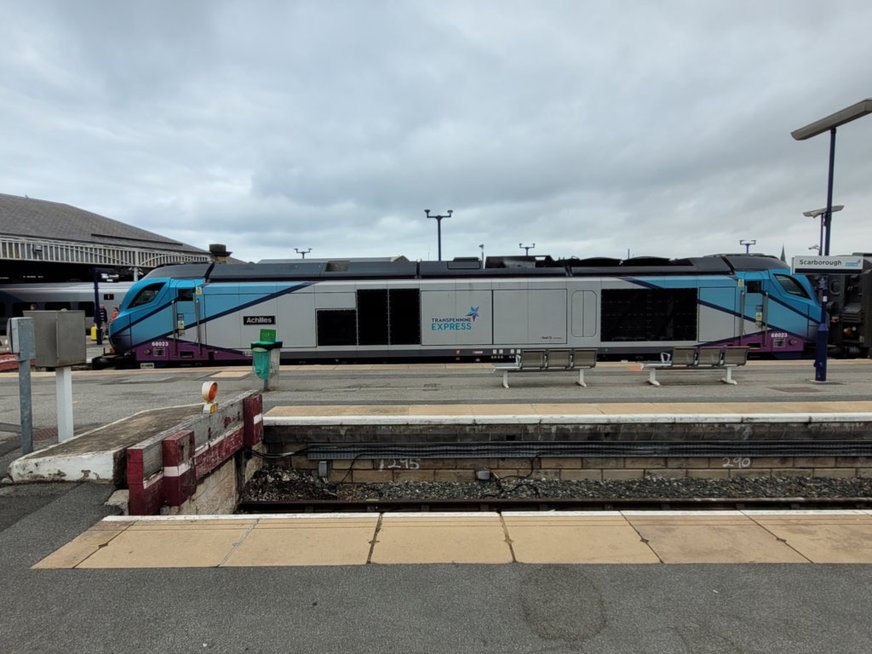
64, 395
439, 219
823, 335
26, 403
829, 214
97, 320
22, 342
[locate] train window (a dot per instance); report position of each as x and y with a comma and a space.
146, 294
18, 308
659, 314
88, 308
337, 327
108, 296
185, 294
754, 286
2, 311
790, 285
57, 306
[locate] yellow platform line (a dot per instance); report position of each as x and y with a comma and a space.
601, 537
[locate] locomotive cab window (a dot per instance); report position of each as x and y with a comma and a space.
146, 295
790, 285
185, 294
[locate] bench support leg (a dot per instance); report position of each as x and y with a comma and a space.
505, 378
580, 381
729, 378
652, 377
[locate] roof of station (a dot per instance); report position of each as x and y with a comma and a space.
40, 219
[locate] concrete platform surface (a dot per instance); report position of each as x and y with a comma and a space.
660, 537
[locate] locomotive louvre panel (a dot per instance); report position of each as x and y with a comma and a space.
372, 316
405, 316
649, 314
529, 316
337, 327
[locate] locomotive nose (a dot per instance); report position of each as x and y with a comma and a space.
119, 334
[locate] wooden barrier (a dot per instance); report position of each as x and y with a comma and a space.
165, 470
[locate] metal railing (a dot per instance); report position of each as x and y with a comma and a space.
94, 254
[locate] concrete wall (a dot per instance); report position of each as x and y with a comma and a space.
218, 493
577, 468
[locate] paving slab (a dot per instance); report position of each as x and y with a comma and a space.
840, 537
307, 540
575, 537
710, 537
171, 544
84, 545
431, 538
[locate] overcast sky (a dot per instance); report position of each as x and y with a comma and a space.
587, 128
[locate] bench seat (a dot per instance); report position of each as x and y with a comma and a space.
556, 360
698, 358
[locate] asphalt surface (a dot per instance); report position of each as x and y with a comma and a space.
426, 608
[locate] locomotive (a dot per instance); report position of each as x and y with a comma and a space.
464, 309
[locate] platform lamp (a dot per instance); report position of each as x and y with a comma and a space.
302, 253
439, 219
828, 124
526, 248
820, 213
748, 244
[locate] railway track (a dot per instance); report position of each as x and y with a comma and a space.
556, 504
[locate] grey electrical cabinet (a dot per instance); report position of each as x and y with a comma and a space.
60, 338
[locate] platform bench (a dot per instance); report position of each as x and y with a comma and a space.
558, 360
698, 358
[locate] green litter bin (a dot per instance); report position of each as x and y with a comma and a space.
266, 358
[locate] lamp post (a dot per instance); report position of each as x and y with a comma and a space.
481, 246
748, 244
526, 248
439, 219
302, 253
828, 124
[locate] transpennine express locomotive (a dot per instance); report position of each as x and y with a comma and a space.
351, 310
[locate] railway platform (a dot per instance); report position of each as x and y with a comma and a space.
83, 577
350, 539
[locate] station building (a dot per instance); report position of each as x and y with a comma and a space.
44, 241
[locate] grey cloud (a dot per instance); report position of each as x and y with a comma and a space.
589, 129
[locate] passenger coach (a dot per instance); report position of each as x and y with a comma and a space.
461, 310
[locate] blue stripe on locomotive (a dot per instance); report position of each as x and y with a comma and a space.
155, 321
785, 312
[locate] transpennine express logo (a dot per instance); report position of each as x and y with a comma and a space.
457, 323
